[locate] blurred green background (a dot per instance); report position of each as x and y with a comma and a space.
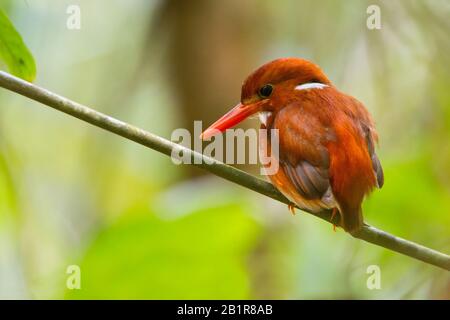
139, 226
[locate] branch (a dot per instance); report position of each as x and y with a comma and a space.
152, 141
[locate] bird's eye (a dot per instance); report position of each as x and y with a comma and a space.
265, 91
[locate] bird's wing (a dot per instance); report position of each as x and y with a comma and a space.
355, 110
303, 157
376, 165
311, 182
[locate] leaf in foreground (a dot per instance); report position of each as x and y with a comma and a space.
13, 51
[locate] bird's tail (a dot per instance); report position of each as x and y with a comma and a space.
352, 218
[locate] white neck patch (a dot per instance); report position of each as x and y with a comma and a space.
311, 85
263, 116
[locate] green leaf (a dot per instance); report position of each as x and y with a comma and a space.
198, 256
14, 52
8, 203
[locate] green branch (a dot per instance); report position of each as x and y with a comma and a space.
367, 233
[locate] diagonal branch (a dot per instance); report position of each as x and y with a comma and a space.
152, 141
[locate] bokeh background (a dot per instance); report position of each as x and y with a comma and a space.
139, 226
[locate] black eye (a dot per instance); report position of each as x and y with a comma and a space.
265, 91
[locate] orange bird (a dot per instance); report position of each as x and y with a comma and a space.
326, 138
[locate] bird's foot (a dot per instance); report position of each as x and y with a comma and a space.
291, 209
333, 214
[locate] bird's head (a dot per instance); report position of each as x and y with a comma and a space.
270, 88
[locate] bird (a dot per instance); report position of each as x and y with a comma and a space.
326, 138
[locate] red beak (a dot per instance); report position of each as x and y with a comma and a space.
239, 113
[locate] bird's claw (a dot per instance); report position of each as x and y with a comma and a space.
291, 209
333, 214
